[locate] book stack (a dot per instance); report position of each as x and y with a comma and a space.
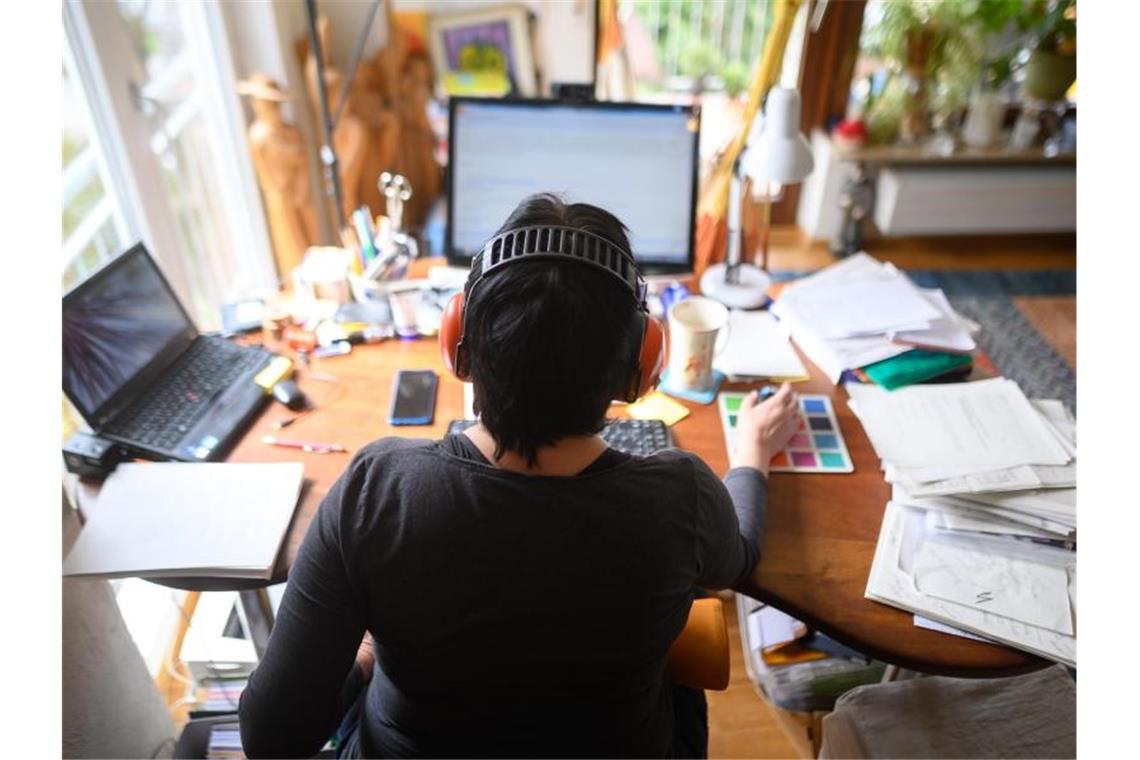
861, 313
225, 742
980, 534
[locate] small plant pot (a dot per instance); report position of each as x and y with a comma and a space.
983, 123
1048, 75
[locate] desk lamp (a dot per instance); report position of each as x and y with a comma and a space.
776, 152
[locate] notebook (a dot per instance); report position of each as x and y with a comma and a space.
174, 519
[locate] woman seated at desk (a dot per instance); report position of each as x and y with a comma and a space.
519, 583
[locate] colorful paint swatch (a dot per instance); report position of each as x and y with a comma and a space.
817, 446
803, 459
828, 441
815, 406
799, 440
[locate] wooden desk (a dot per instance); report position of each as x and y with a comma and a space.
822, 529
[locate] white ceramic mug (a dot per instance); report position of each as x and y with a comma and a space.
698, 331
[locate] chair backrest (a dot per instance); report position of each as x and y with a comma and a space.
699, 658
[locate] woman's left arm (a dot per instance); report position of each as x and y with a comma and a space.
292, 703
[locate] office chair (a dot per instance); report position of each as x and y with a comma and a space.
699, 656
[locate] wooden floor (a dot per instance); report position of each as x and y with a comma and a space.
791, 250
741, 724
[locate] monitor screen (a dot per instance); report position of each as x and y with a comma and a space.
114, 325
638, 161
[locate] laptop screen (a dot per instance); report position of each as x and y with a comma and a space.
115, 324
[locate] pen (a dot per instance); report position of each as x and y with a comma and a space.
311, 446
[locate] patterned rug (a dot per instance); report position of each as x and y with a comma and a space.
1008, 339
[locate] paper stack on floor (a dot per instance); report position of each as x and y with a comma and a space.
980, 529
861, 311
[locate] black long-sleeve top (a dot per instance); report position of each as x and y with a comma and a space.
511, 614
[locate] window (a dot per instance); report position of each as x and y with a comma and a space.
689, 45
159, 83
93, 226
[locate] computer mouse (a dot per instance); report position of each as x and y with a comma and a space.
289, 394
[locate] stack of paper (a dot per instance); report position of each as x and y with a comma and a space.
861, 311
980, 530
984, 446
181, 519
758, 348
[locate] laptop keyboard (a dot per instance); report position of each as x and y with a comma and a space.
641, 437
167, 411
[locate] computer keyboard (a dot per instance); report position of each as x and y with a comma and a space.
168, 410
641, 437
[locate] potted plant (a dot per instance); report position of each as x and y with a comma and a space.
1001, 26
1052, 66
933, 63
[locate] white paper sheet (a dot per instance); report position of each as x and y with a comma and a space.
861, 306
769, 627
833, 356
969, 521
989, 423
934, 625
1054, 503
758, 347
950, 332
891, 584
1029, 592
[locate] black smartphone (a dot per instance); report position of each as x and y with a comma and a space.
413, 397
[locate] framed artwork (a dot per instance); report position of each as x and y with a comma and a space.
485, 51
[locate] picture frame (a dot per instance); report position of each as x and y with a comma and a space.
484, 51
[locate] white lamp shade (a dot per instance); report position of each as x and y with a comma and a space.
781, 154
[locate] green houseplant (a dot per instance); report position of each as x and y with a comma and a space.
1052, 66
933, 61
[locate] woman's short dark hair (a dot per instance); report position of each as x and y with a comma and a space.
550, 342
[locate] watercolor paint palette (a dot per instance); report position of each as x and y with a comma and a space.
817, 445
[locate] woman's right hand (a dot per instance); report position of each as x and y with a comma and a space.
764, 428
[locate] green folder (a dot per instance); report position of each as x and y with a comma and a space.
914, 367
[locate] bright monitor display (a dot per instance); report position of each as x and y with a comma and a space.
638, 161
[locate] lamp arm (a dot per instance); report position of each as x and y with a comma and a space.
733, 225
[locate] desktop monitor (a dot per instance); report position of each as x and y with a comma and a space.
638, 161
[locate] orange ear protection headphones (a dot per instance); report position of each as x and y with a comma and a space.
560, 244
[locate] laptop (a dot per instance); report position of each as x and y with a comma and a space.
142, 375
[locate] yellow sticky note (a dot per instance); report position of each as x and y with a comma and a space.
658, 406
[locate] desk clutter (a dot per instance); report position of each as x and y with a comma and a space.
866, 318
979, 536
797, 668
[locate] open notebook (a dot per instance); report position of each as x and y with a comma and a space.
175, 519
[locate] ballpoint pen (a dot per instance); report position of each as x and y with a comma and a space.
310, 446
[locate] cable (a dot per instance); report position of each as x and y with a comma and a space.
333, 396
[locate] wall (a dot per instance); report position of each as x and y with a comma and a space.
563, 41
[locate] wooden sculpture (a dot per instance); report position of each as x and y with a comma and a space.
280, 160
367, 101
415, 156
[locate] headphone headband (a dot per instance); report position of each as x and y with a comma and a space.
566, 244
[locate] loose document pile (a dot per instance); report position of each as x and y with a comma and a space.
980, 531
862, 311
